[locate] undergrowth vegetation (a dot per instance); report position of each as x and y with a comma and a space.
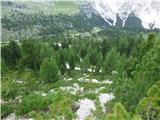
44, 79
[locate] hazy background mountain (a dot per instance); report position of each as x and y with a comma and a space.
144, 13
148, 11
28, 18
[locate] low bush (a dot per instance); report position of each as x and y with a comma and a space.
62, 106
91, 96
7, 109
33, 102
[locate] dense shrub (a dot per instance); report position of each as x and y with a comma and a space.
62, 106
33, 102
7, 109
49, 70
11, 53
10, 88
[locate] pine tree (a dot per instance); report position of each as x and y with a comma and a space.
149, 107
105, 47
110, 61
46, 51
85, 64
111, 116
99, 62
93, 57
30, 54
11, 53
83, 50
71, 59
49, 70
3, 67
120, 112
62, 61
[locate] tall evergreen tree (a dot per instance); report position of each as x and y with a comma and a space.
85, 64
46, 51
49, 70
71, 59
99, 62
105, 47
30, 54
11, 53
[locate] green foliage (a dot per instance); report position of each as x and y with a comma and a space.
41, 24
136, 117
111, 116
143, 72
98, 113
110, 61
10, 88
46, 51
11, 53
105, 47
30, 54
33, 102
30, 83
136, 61
120, 112
83, 50
129, 65
91, 96
4, 67
62, 61
7, 109
62, 106
93, 56
38, 115
149, 107
71, 59
85, 64
99, 62
113, 62
49, 70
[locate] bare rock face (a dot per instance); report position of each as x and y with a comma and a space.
75, 106
145, 10
12, 116
85, 109
104, 98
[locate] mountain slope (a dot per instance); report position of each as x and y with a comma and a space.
124, 13
49, 7
148, 11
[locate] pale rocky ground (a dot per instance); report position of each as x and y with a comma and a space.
13, 116
85, 106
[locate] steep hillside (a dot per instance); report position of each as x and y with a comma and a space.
31, 7
148, 11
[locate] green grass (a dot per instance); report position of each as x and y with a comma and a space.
66, 7
32, 102
49, 8
91, 96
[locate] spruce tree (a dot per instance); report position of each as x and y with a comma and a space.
99, 62
71, 59
30, 54
11, 53
46, 51
49, 70
85, 64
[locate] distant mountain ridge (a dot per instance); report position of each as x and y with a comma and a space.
121, 13
145, 11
